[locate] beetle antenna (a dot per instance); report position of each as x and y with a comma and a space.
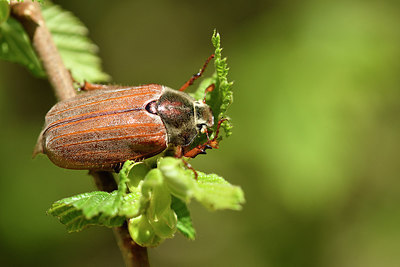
219, 126
206, 132
197, 75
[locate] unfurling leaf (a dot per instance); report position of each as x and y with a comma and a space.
184, 224
142, 232
179, 181
157, 221
222, 96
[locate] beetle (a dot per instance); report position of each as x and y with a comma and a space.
107, 125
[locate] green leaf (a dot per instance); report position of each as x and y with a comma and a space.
179, 181
69, 35
184, 224
215, 193
142, 232
157, 202
155, 193
156, 215
78, 52
222, 97
122, 184
137, 174
130, 205
98, 207
199, 93
4, 11
92, 208
16, 47
157, 220
210, 190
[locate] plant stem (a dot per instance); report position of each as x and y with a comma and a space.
134, 255
30, 16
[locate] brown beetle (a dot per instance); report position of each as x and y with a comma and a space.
102, 128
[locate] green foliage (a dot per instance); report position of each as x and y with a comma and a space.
210, 190
216, 194
77, 50
155, 207
94, 208
184, 224
179, 181
16, 47
221, 97
70, 36
98, 207
157, 220
4, 11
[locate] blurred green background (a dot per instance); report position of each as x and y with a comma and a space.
315, 145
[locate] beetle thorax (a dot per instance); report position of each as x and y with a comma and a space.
182, 115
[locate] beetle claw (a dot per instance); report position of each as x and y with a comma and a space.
117, 168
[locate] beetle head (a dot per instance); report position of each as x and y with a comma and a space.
203, 116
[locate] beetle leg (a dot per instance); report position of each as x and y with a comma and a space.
75, 82
179, 154
118, 167
87, 86
197, 75
201, 149
219, 126
187, 164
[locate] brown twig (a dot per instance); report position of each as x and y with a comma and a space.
29, 14
134, 255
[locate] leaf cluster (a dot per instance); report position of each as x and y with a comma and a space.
153, 200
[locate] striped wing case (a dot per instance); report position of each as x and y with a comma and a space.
100, 129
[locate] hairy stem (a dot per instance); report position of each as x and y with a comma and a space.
29, 14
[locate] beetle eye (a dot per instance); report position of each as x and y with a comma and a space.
203, 128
